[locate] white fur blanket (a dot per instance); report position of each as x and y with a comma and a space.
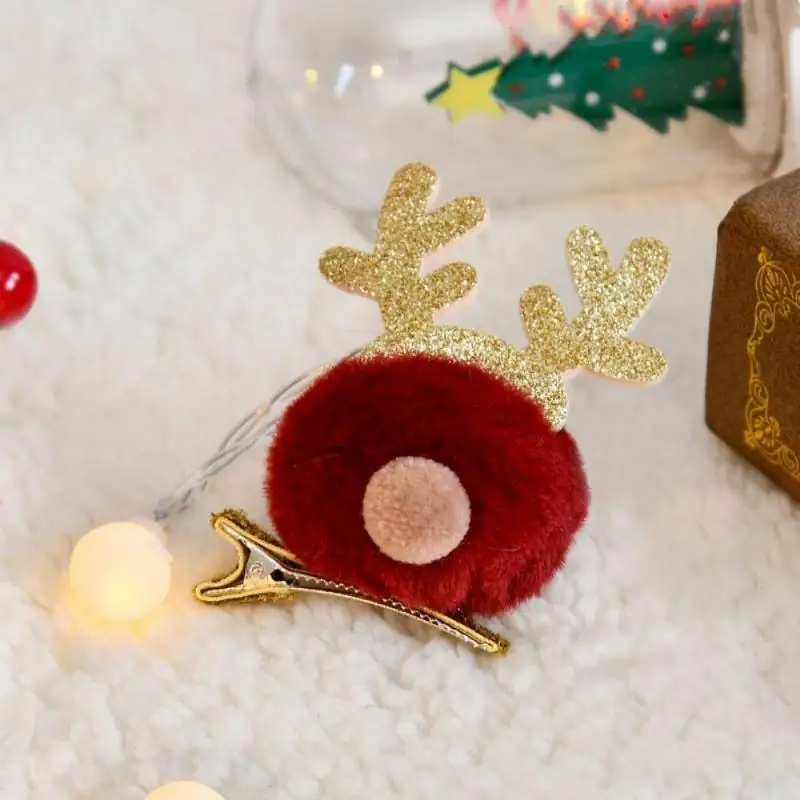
179, 289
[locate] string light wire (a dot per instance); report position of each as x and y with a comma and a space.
257, 425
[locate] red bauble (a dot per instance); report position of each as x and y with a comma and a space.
525, 482
18, 285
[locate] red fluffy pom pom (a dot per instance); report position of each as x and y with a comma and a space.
525, 482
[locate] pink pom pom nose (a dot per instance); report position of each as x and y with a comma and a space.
416, 510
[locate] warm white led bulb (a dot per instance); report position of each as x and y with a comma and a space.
184, 790
121, 571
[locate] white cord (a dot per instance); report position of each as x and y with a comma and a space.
259, 423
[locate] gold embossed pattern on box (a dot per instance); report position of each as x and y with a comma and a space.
777, 296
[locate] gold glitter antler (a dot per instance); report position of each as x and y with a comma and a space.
612, 301
407, 232
597, 339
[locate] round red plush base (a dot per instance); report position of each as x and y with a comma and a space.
525, 482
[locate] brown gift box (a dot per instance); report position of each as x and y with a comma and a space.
753, 379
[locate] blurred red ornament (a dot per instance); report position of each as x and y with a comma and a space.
18, 285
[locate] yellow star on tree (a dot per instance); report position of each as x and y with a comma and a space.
469, 91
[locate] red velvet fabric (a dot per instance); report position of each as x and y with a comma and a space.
526, 484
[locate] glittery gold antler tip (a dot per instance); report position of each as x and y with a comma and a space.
407, 232
612, 301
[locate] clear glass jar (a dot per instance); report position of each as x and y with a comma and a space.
515, 100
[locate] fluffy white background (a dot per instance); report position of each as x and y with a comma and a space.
179, 287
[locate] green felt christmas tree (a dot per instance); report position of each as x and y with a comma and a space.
655, 69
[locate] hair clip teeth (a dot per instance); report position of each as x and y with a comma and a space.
265, 571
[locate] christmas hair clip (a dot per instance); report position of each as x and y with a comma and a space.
429, 473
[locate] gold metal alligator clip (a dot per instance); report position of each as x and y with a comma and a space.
266, 571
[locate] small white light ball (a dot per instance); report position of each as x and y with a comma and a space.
121, 571
184, 790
